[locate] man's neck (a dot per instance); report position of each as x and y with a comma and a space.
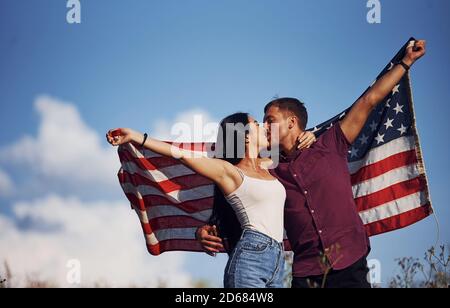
290, 143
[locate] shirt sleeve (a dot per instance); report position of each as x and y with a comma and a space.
335, 140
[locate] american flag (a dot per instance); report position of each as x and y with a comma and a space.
386, 166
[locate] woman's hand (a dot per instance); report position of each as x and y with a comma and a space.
120, 136
306, 140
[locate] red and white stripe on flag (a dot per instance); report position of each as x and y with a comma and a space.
390, 186
171, 200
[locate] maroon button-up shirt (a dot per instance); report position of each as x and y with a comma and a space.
320, 213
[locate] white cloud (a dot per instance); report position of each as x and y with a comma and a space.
50, 228
65, 147
6, 184
190, 126
105, 237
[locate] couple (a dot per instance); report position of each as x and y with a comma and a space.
309, 193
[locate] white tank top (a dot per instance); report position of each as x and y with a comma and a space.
259, 205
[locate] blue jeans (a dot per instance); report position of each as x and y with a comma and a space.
257, 261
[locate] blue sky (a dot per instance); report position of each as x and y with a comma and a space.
136, 63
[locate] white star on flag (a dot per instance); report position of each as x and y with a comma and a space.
316, 129
402, 130
398, 109
354, 152
379, 138
389, 123
363, 139
395, 90
373, 126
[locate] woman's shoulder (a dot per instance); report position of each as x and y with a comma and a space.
231, 179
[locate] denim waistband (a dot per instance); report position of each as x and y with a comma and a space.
260, 237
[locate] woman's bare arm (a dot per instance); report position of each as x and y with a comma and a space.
219, 171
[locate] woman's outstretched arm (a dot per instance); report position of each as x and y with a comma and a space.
218, 171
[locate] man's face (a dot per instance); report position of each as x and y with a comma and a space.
276, 118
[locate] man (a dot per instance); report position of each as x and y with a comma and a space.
327, 235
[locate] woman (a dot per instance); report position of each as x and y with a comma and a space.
248, 201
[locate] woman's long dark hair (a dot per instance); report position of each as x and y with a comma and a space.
223, 215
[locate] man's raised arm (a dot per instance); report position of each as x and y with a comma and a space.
352, 124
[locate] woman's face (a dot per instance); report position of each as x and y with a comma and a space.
257, 134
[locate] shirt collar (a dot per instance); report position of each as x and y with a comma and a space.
289, 157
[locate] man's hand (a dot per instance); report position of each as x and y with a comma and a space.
414, 52
208, 237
